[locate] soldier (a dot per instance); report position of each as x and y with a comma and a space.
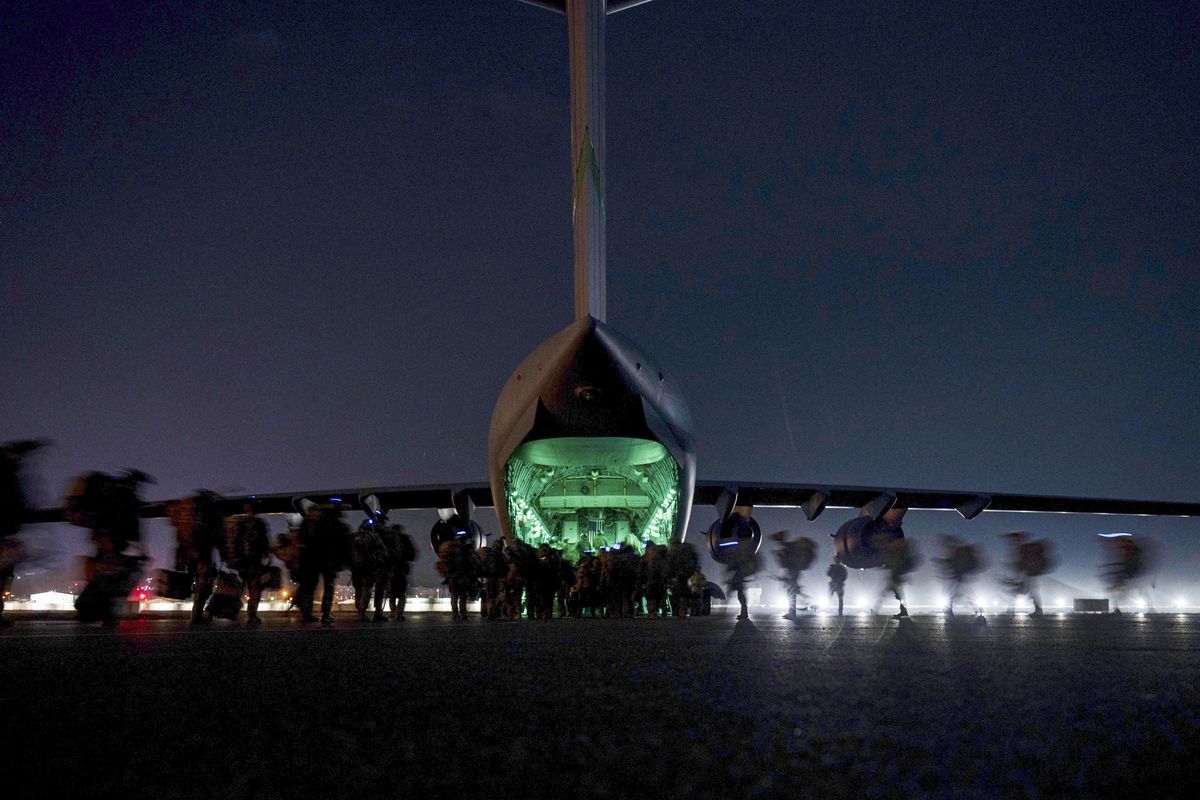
250, 551
698, 585
458, 564
545, 583
1032, 558
837, 580
369, 558
199, 530
109, 507
1131, 564
958, 562
13, 506
324, 544
654, 578
624, 586
400, 545
493, 566
899, 559
520, 557
740, 570
682, 563
586, 593
565, 583
287, 549
794, 557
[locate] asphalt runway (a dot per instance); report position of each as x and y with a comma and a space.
1065, 706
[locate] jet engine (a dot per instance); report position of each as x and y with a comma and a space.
733, 538
453, 526
862, 542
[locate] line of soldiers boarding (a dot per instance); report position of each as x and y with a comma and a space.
379, 556
508, 577
511, 578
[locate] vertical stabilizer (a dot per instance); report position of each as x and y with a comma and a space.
585, 37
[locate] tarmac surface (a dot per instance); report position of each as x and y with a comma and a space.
1064, 706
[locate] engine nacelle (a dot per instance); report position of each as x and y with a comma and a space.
734, 538
862, 542
453, 527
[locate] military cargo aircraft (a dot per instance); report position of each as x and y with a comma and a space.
591, 443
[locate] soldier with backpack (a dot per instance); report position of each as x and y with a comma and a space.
402, 553
199, 531
369, 562
324, 540
13, 507
837, 580
250, 552
794, 556
958, 562
682, 562
493, 566
459, 566
1032, 558
108, 506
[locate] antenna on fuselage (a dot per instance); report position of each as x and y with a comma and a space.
585, 43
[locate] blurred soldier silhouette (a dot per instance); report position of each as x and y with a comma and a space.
899, 555
1032, 558
566, 582
14, 504
740, 569
402, 552
837, 580
621, 592
369, 562
682, 563
959, 561
287, 549
545, 582
1130, 569
108, 506
250, 553
794, 556
520, 559
654, 578
459, 565
587, 593
493, 566
324, 550
199, 530
698, 594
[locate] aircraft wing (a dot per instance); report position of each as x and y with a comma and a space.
811, 498
815, 498
392, 498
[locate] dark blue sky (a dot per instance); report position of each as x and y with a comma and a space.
292, 247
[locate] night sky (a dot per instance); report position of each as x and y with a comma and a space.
289, 248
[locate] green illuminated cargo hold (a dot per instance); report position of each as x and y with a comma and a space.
586, 493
